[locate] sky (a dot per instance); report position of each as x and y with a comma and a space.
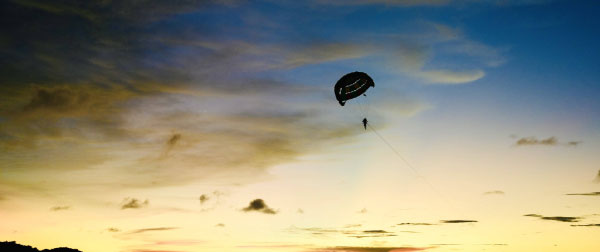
146, 126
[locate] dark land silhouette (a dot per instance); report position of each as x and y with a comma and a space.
15, 247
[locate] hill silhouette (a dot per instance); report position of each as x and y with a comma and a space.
15, 247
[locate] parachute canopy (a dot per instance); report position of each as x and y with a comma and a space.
352, 85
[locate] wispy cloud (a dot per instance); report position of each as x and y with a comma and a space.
347, 231
402, 3
556, 218
415, 224
60, 208
495, 192
458, 221
586, 225
144, 230
585, 194
258, 205
450, 77
550, 141
370, 249
431, 3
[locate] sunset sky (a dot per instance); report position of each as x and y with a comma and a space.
147, 126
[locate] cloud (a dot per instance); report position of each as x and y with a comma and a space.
586, 225
220, 225
550, 141
363, 211
534, 141
585, 194
113, 230
415, 224
370, 249
413, 55
555, 218
401, 3
348, 231
373, 233
125, 79
300, 211
376, 231
57, 99
173, 140
457, 221
133, 203
450, 77
171, 144
496, 192
431, 3
258, 205
597, 179
144, 230
60, 208
203, 198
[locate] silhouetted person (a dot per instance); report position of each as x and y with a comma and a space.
365, 123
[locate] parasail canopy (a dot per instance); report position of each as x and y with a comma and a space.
352, 85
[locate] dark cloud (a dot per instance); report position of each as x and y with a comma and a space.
74, 40
173, 140
60, 208
534, 141
496, 192
555, 218
220, 225
415, 224
458, 221
143, 230
300, 211
57, 99
133, 203
378, 231
585, 194
113, 230
586, 225
371, 234
258, 205
203, 198
550, 141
